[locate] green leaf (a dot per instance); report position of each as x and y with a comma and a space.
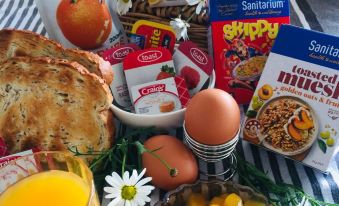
251, 113
278, 194
168, 69
322, 145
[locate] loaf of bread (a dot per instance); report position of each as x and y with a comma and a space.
53, 104
25, 43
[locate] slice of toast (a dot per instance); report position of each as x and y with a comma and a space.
25, 43
53, 104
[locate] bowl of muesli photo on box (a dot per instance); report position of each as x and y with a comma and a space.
249, 69
288, 125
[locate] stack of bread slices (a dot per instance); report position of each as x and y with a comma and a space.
52, 98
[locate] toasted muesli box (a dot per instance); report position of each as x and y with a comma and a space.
243, 32
295, 108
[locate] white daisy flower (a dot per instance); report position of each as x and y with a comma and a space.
122, 6
128, 191
201, 5
180, 28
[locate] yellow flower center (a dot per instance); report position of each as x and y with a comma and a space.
128, 192
125, 1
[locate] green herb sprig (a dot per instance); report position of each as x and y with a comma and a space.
124, 155
280, 194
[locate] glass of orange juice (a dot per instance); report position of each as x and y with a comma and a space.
47, 179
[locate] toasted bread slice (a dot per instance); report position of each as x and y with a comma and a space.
25, 43
53, 105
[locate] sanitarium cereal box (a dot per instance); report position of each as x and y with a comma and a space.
295, 108
243, 32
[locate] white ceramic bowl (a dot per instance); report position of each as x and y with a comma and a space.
168, 120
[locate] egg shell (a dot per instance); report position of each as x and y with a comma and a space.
212, 117
177, 155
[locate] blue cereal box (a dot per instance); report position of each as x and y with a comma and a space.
243, 32
295, 108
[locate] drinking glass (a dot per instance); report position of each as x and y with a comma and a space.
43, 162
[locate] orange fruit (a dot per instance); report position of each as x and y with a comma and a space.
85, 23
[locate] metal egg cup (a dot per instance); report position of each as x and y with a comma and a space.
215, 153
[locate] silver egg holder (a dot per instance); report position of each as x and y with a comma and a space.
215, 153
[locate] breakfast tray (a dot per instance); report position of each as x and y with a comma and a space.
197, 31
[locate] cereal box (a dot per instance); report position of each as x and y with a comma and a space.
295, 108
243, 33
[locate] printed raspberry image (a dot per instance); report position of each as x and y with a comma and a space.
191, 76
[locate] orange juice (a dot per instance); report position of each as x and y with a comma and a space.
52, 188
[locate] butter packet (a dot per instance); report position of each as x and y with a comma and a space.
162, 96
156, 35
119, 86
194, 65
11, 172
5, 160
147, 66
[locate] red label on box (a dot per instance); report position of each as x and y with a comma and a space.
3, 148
146, 57
117, 54
152, 89
156, 35
184, 96
197, 56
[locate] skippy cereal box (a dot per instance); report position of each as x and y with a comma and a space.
243, 32
295, 108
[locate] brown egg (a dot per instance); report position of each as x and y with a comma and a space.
212, 117
177, 155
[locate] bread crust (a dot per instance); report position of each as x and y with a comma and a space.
53, 104
26, 43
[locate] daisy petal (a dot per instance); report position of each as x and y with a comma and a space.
112, 190
199, 7
193, 2
112, 181
138, 200
134, 203
142, 173
134, 177
146, 189
115, 202
125, 178
127, 203
112, 196
147, 199
143, 181
117, 178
